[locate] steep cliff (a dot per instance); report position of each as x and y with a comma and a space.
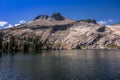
58, 32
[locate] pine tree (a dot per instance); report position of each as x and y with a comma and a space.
5, 46
26, 47
36, 44
1, 39
12, 44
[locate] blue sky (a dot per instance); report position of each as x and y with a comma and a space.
13, 11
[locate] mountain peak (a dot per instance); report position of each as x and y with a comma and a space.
58, 32
41, 17
57, 16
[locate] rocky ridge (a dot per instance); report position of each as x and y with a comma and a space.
58, 32
55, 17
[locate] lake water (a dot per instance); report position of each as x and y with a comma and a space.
61, 65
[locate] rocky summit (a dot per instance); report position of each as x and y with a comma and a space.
55, 16
58, 32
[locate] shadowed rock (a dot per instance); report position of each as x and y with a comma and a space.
89, 21
41, 17
57, 16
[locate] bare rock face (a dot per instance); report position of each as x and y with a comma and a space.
57, 16
41, 17
88, 21
62, 33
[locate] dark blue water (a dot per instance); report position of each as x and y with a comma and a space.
61, 65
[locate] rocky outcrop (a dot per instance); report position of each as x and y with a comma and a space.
41, 17
63, 33
55, 17
89, 21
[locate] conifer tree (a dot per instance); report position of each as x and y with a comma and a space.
12, 44
1, 39
26, 47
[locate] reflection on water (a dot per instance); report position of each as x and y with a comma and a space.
62, 65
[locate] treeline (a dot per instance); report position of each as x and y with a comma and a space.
14, 45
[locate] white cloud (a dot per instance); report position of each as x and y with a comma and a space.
9, 26
3, 23
17, 24
101, 22
22, 21
110, 20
